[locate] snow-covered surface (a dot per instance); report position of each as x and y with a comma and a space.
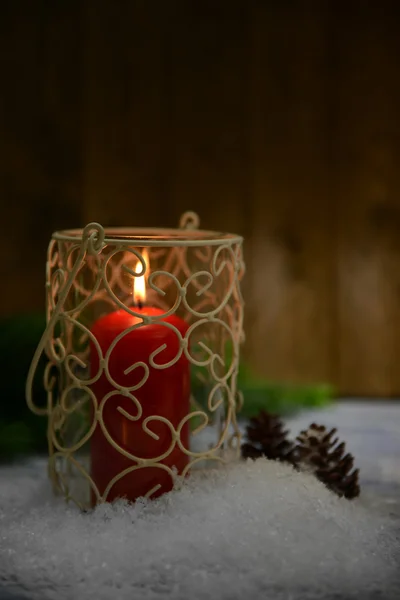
255, 530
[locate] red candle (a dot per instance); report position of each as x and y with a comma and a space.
165, 393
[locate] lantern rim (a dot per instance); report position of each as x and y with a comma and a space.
147, 236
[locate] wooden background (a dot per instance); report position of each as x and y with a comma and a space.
276, 120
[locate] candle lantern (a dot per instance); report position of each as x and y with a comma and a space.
142, 348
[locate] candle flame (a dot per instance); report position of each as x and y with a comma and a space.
139, 283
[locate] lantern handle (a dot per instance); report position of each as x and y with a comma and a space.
189, 220
92, 242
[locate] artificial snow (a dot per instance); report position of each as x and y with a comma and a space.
255, 530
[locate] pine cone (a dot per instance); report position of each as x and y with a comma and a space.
328, 460
267, 437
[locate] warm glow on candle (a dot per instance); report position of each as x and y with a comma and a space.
139, 283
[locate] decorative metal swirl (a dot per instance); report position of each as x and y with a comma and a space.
89, 275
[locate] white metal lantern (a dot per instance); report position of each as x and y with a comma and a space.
142, 341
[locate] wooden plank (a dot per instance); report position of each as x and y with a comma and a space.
292, 304
124, 98
40, 144
367, 155
207, 76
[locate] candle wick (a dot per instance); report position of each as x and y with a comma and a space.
140, 304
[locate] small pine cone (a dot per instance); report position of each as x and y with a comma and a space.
327, 459
266, 437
